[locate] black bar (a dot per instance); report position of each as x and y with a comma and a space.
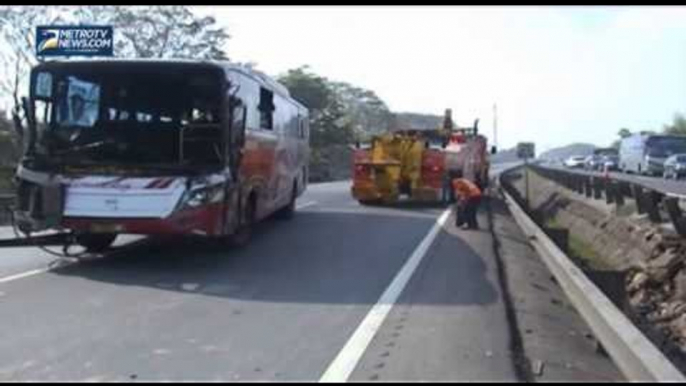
676, 215
638, 197
619, 194
651, 199
609, 191
58, 239
597, 188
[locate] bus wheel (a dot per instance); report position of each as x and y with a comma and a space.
288, 211
243, 234
95, 242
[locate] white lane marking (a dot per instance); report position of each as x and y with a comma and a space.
343, 365
24, 274
305, 204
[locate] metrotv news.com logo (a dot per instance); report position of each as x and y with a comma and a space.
71, 41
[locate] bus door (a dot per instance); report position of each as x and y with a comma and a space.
234, 150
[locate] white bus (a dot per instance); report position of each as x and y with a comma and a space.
158, 147
645, 153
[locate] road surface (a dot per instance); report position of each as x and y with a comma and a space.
341, 292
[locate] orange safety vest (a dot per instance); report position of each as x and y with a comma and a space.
465, 188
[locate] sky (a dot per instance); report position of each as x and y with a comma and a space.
558, 75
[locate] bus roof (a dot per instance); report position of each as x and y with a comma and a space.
256, 75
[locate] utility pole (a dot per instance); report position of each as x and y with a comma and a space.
495, 125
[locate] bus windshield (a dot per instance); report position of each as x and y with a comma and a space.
131, 115
664, 146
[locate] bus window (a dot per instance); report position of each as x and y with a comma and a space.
301, 127
266, 109
80, 107
236, 132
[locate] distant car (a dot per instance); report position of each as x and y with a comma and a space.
592, 162
609, 162
575, 161
675, 166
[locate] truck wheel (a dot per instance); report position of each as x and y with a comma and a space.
95, 242
244, 233
288, 211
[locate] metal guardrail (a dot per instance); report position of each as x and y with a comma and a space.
659, 204
637, 358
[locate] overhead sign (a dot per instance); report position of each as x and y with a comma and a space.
74, 41
526, 150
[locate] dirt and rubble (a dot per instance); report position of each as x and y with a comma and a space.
650, 256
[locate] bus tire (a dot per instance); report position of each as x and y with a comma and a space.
241, 237
288, 211
95, 242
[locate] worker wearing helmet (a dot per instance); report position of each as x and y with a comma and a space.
468, 197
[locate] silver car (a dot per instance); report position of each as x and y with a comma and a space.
609, 162
592, 162
575, 161
675, 166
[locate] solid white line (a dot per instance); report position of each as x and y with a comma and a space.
343, 365
24, 274
305, 204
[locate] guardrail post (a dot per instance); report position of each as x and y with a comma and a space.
610, 195
619, 194
625, 189
638, 197
597, 189
588, 187
676, 215
651, 199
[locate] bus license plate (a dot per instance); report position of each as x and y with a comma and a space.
106, 228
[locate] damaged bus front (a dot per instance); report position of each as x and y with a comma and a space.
150, 147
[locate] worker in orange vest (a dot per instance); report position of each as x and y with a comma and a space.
468, 197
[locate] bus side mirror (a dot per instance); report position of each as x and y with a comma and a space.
494, 149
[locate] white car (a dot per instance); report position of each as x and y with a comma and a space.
575, 161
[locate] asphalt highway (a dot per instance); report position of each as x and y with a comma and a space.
342, 292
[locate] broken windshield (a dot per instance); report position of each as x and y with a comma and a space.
134, 114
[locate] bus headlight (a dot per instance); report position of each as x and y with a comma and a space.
201, 196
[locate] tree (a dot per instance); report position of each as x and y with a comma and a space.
307, 88
678, 125
331, 125
365, 111
328, 122
167, 32
9, 153
139, 32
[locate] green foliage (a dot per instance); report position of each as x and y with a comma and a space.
678, 125
624, 132
309, 89
139, 32
340, 114
9, 149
